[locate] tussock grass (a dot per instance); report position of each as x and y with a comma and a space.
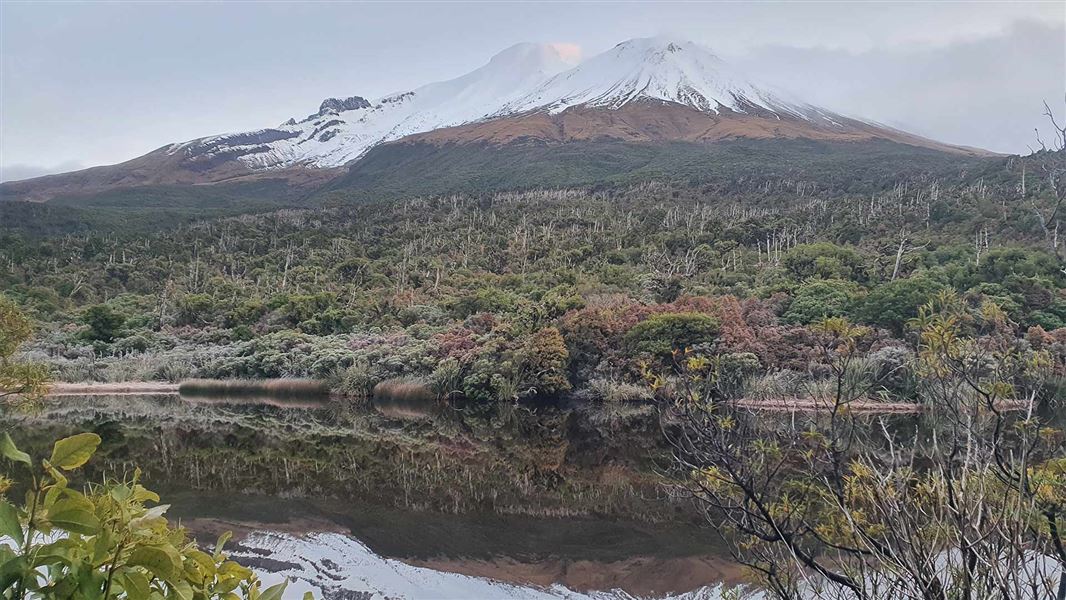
250, 387
404, 390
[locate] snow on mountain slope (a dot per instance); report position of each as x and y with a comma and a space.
331, 137
655, 69
523, 79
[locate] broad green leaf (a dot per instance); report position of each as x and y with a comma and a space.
102, 545
57, 488
192, 572
32, 583
120, 492
151, 519
140, 494
203, 559
143, 525
274, 592
90, 581
309, 596
9, 522
11, 571
162, 562
182, 590
76, 521
73, 452
64, 588
234, 569
74, 514
75, 502
11, 452
222, 539
136, 585
59, 550
226, 584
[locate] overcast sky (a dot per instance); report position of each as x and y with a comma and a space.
87, 83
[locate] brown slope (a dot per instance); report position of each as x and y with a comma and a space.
159, 167
655, 121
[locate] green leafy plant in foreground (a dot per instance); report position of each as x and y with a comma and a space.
104, 542
20, 381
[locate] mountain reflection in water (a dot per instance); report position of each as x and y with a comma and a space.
353, 548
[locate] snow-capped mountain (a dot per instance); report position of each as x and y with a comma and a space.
342, 130
653, 69
642, 90
525, 78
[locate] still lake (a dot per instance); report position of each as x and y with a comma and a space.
388, 523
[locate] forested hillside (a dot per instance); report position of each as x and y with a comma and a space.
746, 168
534, 294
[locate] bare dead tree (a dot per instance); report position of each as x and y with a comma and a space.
1052, 164
968, 502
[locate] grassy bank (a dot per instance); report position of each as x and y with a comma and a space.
301, 388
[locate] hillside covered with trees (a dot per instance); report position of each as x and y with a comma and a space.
537, 294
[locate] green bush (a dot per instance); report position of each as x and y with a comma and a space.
104, 322
891, 305
195, 309
818, 299
824, 260
660, 335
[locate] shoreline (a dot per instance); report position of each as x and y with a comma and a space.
780, 405
860, 406
812, 405
112, 389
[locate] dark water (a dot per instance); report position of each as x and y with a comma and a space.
165, 434
423, 486
425, 535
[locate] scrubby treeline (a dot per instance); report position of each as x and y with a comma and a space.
533, 294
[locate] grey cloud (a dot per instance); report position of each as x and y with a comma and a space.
986, 92
15, 172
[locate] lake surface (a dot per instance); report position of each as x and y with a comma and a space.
270, 470
338, 548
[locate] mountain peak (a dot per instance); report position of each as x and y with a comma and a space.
661, 49
526, 60
657, 69
657, 42
337, 105
535, 54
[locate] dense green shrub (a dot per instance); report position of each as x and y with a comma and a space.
892, 304
195, 309
824, 260
818, 299
542, 362
660, 335
104, 323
